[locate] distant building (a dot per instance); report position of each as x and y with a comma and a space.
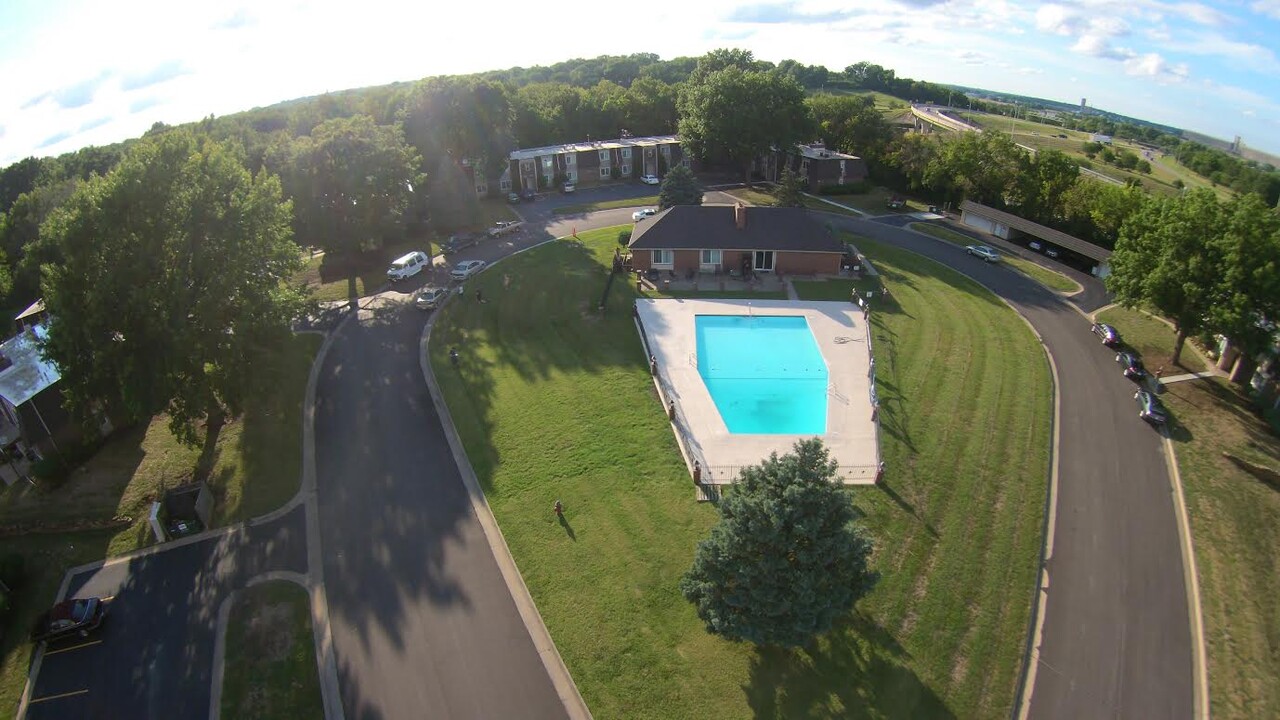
594, 162
1098, 138
1084, 103
816, 164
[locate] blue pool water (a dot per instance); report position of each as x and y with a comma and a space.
764, 373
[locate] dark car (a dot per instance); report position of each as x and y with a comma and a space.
1110, 336
1133, 368
528, 196
1150, 408
70, 617
459, 241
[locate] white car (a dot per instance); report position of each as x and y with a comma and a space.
650, 179
430, 298
466, 269
983, 252
408, 266
639, 215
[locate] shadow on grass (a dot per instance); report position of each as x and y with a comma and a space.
568, 529
858, 670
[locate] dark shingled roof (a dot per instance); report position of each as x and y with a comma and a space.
711, 227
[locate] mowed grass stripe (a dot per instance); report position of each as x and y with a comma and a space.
994, 356
558, 404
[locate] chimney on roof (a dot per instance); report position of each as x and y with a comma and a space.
740, 216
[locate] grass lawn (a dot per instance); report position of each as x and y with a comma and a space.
257, 466
758, 195
554, 401
876, 202
1055, 281
647, 200
942, 233
1235, 524
763, 195
271, 660
1152, 338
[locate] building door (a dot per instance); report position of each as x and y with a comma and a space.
764, 261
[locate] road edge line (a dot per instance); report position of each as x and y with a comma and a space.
321, 630
1035, 631
1191, 576
558, 672
220, 655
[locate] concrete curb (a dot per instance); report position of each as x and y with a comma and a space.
1190, 574
546, 648
322, 632
1031, 658
220, 655
220, 633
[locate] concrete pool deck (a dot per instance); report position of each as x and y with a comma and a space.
668, 328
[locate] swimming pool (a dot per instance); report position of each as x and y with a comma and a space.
765, 373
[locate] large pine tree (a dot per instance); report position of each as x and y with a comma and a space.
785, 560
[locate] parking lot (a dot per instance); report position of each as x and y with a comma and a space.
153, 655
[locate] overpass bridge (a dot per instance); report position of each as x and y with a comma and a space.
928, 117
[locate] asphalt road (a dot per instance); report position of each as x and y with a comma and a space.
423, 624
153, 655
422, 620
1116, 640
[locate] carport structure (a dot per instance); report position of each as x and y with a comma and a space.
1009, 227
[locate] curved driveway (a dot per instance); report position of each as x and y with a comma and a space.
424, 626
1117, 636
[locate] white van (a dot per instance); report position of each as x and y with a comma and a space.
408, 266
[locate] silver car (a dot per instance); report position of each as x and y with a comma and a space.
430, 298
466, 269
983, 252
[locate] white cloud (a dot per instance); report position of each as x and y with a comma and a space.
1154, 66
1202, 14
1270, 8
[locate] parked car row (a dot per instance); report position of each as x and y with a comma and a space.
1150, 408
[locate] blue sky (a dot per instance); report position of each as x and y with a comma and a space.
76, 73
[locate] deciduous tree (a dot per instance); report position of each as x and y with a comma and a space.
1166, 256
169, 292
790, 192
1248, 299
785, 560
352, 183
679, 187
714, 122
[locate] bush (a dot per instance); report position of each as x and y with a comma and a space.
624, 237
861, 187
615, 172
50, 469
12, 570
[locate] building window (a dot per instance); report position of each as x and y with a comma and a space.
604, 172
684, 161
604, 156
626, 170
710, 257
546, 163
569, 159
482, 189
663, 258
626, 153
665, 150
572, 175
505, 185
804, 168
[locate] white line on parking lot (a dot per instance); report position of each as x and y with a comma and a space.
73, 647
59, 696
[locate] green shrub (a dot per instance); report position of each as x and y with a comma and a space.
615, 172
50, 469
12, 570
624, 237
855, 188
